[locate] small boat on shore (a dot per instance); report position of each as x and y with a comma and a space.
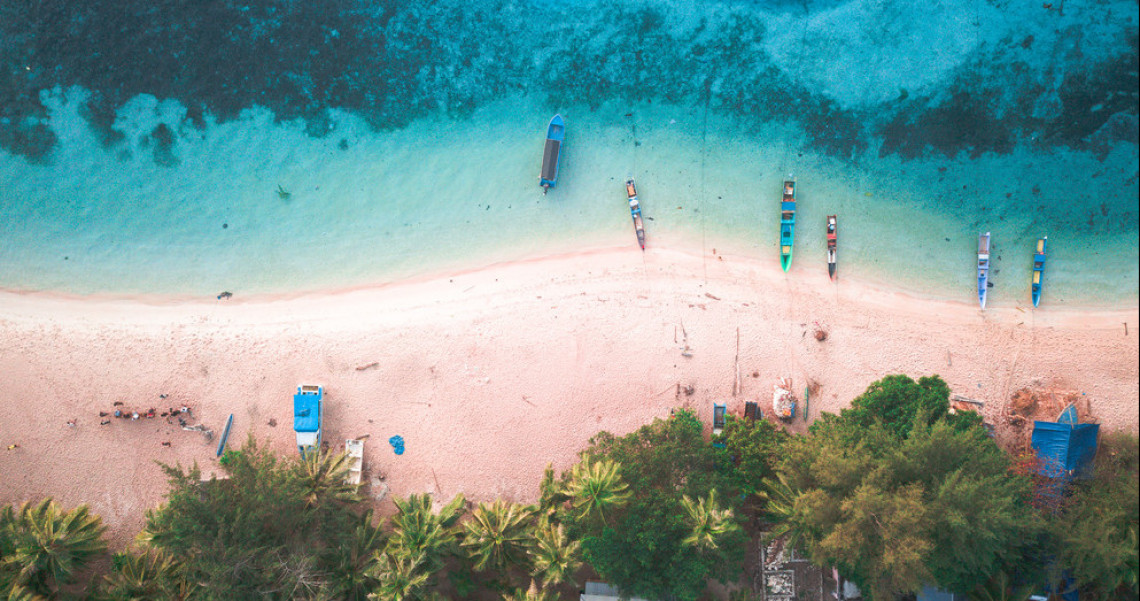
635, 211
555, 134
983, 267
1038, 269
832, 268
787, 224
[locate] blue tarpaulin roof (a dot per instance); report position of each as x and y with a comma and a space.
1064, 449
306, 412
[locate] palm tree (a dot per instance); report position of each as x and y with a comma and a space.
710, 523
555, 558
352, 562
551, 494
398, 579
322, 477
1001, 588
48, 546
782, 510
498, 535
532, 594
146, 577
417, 531
595, 487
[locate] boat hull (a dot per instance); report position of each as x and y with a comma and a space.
635, 212
552, 153
983, 267
1038, 270
787, 224
832, 241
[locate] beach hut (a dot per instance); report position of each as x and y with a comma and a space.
307, 417
1065, 448
600, 591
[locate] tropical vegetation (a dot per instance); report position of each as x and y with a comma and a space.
897, 492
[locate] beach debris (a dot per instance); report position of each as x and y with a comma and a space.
282, 193
820, 333
117, 403
13, 446
103, 414
368, 366
783, 401
166, 444
686, 351
134, 415
226, 294
397, 443
272, 422
712, 297
208, 433
104, 422
71, 423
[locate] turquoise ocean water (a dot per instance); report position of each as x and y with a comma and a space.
181, 148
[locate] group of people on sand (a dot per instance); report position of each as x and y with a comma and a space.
129, 414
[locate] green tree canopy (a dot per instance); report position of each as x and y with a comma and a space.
263, 532
43, 547
641, 549
897, 508
1098, 530
895, 402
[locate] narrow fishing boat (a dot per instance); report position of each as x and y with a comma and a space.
831, 234
635, 211
1038, 269
555, 134
787, 224
983, 267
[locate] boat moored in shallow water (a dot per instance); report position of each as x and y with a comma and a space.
983, 267
635, 211
1038, 269
832, 268
555, 134
787, 224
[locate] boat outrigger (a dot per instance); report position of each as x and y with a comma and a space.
787, 224
831, 241
1038, 269
635, 211
983, 267
555, 134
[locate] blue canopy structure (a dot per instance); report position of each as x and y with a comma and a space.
1065, 449
307, 417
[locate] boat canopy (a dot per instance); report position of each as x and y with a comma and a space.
788, 205
307, 412
550, 159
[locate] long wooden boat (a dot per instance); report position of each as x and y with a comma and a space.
787, 224
832, 268
983, 267
1038, 269
635, 211
555, 135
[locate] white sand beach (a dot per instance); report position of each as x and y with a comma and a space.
490, 374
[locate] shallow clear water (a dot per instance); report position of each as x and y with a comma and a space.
301, 147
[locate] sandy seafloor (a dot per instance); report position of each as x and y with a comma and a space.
362, 178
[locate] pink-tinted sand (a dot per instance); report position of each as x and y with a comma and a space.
489, 375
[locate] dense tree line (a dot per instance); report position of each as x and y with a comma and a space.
897, 492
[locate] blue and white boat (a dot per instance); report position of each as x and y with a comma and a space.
1038, 269
307, 418
983, 267
635, 211
555, 134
